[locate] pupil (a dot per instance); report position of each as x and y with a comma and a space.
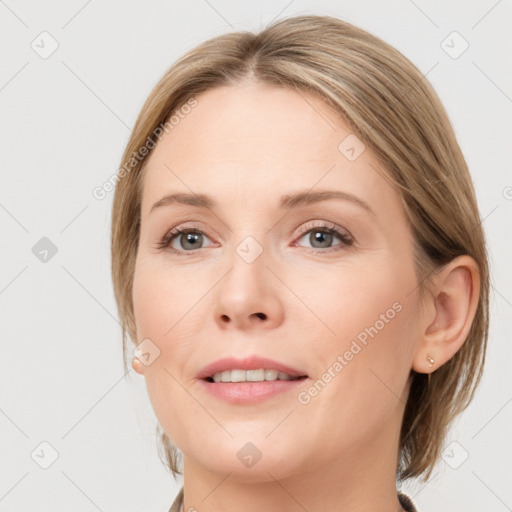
190, 237
319, 236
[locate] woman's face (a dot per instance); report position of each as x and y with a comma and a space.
259, 275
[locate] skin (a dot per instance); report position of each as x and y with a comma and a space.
246, 146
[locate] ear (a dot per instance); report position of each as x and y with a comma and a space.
448, 313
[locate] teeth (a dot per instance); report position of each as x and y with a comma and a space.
236, 376
251, 376
271, 374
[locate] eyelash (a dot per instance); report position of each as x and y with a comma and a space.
346, 239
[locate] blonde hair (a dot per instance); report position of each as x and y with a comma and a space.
393, 109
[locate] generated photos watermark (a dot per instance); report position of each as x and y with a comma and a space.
100, 192
356, 346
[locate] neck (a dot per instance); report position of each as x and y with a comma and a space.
362, 478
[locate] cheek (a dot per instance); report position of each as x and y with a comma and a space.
382, 307
372, 314
157, 300
166, 315
353, 299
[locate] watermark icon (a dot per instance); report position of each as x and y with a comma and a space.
507, 193
304, 397
454, 45
44, 455
101, 192
45, 45
146, 352
455, 455
249, 249
44, 250
249, 455
351, 147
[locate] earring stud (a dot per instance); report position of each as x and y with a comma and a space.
430, 359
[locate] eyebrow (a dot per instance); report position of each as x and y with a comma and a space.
286, 202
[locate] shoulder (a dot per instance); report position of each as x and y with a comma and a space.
405, 502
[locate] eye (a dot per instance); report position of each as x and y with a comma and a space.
189, 239
322, 237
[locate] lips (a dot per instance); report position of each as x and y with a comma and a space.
249, 363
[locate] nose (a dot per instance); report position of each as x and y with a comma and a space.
249, 296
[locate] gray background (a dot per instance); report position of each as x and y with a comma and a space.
65, 120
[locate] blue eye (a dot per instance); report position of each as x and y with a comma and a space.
191, 239
324, 236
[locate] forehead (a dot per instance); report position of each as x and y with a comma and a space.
230, 120
256, 140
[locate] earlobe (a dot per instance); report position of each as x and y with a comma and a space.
137, 366
454, 302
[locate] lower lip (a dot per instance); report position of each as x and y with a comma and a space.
250, 392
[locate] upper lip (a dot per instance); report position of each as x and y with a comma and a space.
249, 363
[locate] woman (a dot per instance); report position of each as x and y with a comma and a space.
298, 259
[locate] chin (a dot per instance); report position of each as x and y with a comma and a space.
251, 460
